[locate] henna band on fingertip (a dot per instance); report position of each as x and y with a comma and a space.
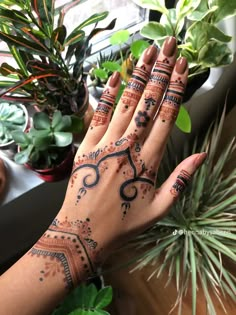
180, 184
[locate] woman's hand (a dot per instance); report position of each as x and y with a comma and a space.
111, 194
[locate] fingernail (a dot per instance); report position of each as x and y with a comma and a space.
181, 65
200, 159
169, 47
150, 54
114, 79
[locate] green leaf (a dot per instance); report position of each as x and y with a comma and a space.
156, 5
23, 44
12, 16
74, 37
63, 139
193, 275
138, 47
100, 73
23, 156
59, 35
202, 11
119, 37
95, 18
42, 143
94, 32
183, 121
20, 137
43, 10
226, 8
41, 121
154, 30
111, 66
170, 23
104, 297
185, 7
215, 54
200, 33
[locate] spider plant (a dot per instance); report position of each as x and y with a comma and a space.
49, 69
197, 237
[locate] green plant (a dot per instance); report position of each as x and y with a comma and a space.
123, 62
49, 70
46, 143
12, 117
194, 24
86, 300
197, 237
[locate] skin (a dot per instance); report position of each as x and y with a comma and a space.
111, 195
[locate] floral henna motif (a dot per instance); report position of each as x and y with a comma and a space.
142, 119
103, 109
126, 153
72, 247
182, 181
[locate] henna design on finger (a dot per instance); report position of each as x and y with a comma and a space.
182, 181
135, 88
103, 109
65, 247
170, 108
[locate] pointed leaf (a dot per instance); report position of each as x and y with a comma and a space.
23, 44
96, 31
43, 9
104, 297
59, 35
74, 37
95, 18
183, 121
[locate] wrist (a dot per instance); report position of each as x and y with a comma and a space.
67, 254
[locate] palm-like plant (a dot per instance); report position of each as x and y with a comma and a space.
49, 69
199, 233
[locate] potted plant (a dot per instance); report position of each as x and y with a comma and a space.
196, 241
47, 147
12, 117
123, 61
195, 25
49, 71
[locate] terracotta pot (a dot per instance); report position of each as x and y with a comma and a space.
59, 172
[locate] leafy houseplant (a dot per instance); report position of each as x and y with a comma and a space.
86, 300
47, 147
197, 238
123, 61
194, 24
12, 117
49, 70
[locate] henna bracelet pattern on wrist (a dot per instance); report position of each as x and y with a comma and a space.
67, 250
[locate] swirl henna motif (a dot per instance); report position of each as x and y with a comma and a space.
124, 152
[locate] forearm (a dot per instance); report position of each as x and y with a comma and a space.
47, 272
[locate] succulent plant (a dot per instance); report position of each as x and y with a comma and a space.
12, 117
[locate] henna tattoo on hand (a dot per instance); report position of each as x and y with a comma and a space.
126, 154
68, 250
182, 181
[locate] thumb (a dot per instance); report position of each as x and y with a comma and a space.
171, 189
